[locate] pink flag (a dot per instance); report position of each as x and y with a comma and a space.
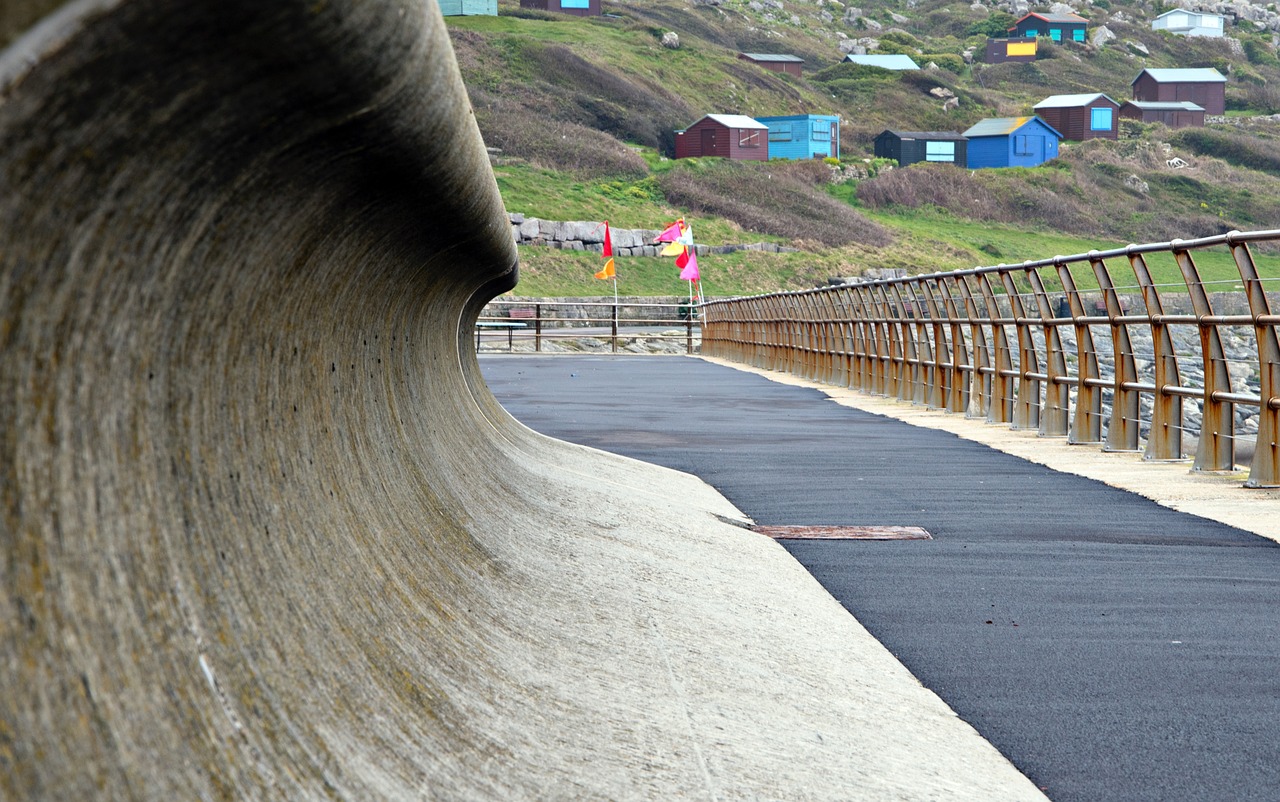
671, 233
690, 272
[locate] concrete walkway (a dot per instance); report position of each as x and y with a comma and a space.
1111, 647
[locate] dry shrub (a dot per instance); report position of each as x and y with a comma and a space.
557, 145
630, 108
1048, 198
941, 185
1242, 149
782, 199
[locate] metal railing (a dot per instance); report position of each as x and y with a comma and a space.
542, 325
1054, 345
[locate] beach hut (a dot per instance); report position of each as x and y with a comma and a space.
728, 136
459, 8
1018, 50
1080, 117
578, 8
777, 62
909, 147
1058, 27
1202, 86
893, 61
1173, 113
1185, 22
803, 136
1011, 142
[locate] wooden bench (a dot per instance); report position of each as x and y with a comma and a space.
521, 313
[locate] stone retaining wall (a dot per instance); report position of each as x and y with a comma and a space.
588, 235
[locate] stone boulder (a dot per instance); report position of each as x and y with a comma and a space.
1137, 47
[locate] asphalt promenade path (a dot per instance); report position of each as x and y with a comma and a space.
1113, 649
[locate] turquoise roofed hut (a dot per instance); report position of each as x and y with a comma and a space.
803, 136
460, 8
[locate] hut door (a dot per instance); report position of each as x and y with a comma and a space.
708, 141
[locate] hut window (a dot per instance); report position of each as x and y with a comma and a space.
1055, 34
1211, 22
821, 133
780, 132
1021, 48
748, 138
1023, 145
1099, 119
575, 4
940, 151
1077, 35
1032, 32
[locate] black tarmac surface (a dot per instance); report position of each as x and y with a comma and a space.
1113, 649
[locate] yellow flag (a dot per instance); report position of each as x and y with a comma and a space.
672, 249
606, 271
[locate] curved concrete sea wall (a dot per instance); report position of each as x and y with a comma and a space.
263, 531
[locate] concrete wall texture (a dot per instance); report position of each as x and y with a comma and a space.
264, 533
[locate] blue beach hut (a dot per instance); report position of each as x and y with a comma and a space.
1011, 142
803, 136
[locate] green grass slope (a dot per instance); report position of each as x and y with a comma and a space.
582, 112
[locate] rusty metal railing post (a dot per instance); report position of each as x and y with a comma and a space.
961, 361
1123, 430
1026, 403
865, 332
1055, 414
891, 346
1216, 451
923, 379
844, 336
939, 369
1086, 423
912, 363
1265, 469
863, 335
1000, 410
980, 364
1164, 441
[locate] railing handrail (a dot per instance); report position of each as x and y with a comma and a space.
537, 326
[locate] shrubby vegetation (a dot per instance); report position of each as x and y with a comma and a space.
589, 108
779, 198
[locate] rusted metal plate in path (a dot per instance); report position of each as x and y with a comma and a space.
844, 532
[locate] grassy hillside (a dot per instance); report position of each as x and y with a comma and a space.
582, 113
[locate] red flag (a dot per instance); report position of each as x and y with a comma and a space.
682, 259
607, 271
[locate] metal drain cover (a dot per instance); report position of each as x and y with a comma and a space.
843, 532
